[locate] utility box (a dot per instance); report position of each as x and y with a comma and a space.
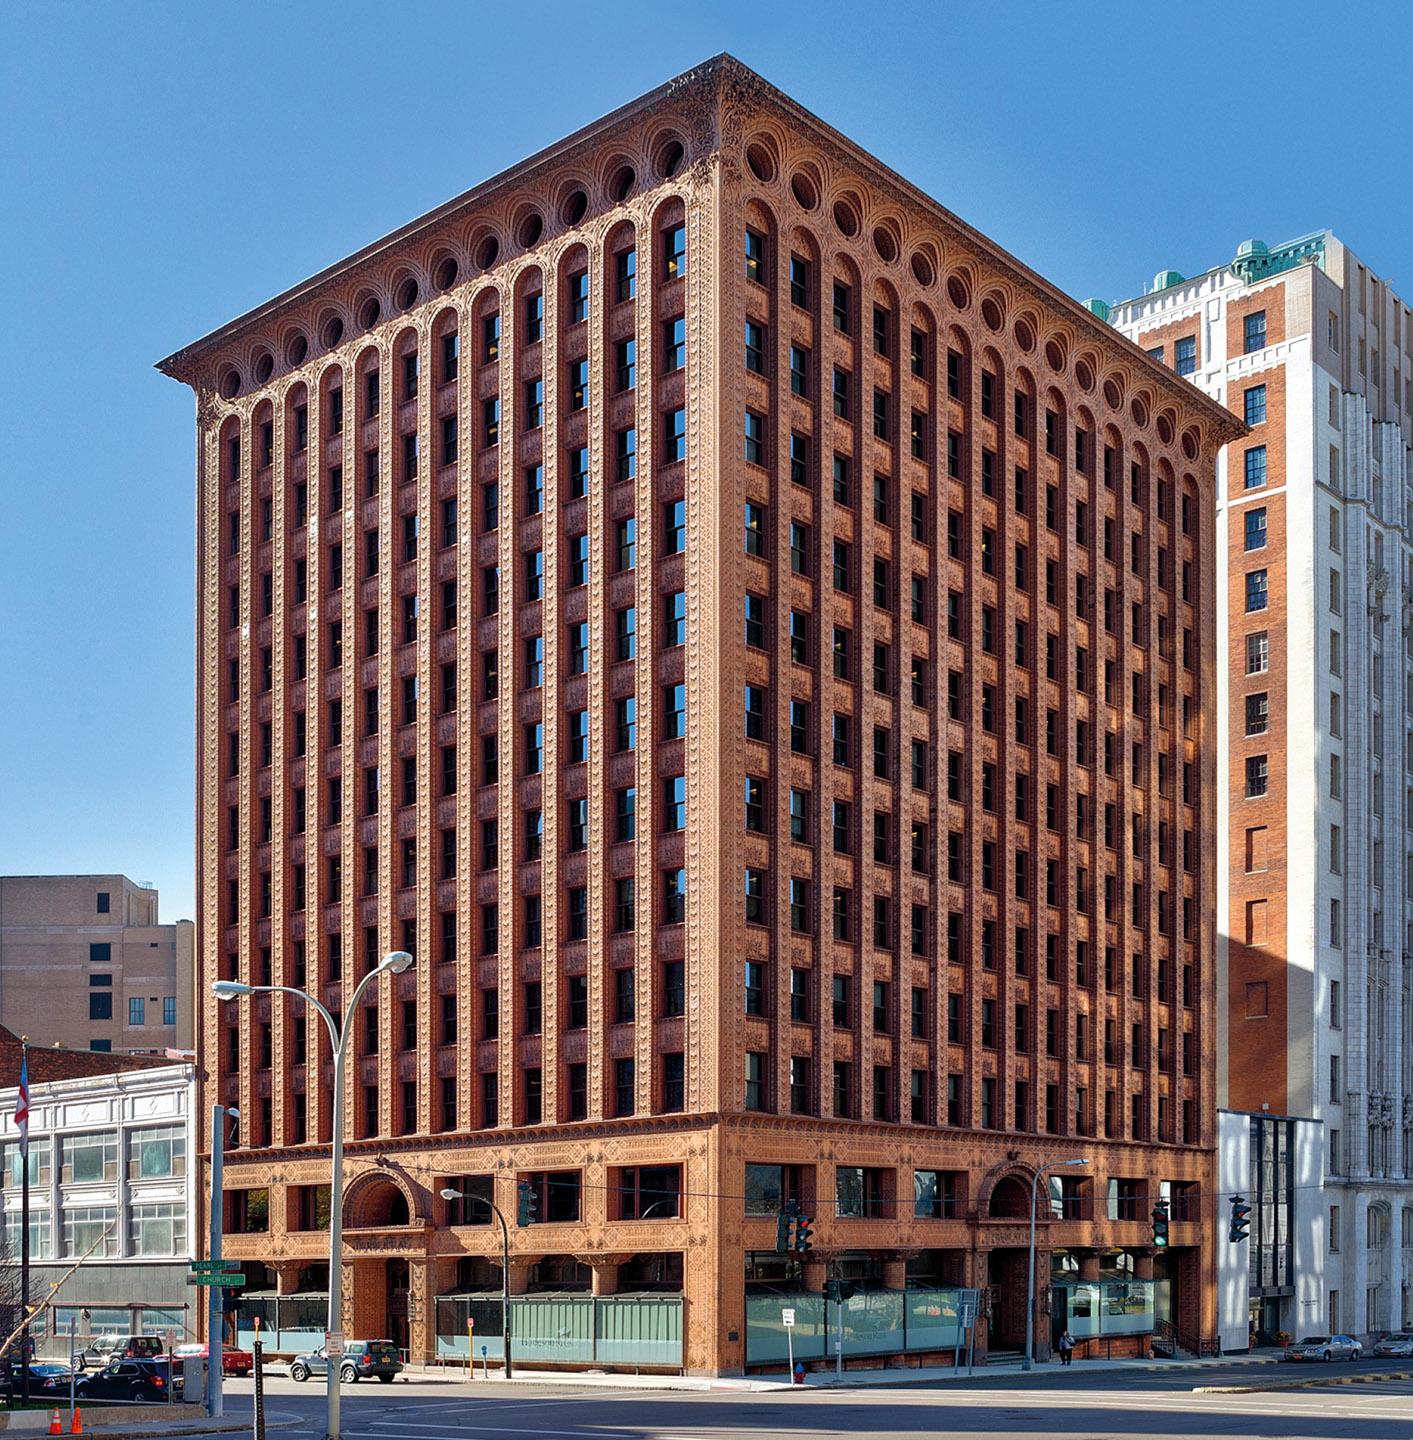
193, 1381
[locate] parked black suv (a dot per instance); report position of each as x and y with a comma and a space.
129, 1380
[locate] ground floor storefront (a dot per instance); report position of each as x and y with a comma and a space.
122, 1297
651, 1246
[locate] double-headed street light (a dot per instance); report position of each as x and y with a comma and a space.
449, 1194
393, 964
1028, 1360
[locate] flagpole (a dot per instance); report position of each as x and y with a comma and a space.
24, 1217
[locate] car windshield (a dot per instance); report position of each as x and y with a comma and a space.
1315, 1340
384, 1349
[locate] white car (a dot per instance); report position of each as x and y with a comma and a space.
1324, 1347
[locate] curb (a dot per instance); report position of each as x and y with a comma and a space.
225, 1428
1364, 1377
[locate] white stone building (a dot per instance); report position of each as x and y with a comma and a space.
1316, 742
111, 1156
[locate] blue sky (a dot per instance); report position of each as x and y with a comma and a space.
165, 166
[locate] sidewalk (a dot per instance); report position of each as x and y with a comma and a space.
902, 1375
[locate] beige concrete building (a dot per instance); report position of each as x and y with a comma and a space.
84, 963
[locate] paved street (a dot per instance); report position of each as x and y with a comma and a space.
1098, 1406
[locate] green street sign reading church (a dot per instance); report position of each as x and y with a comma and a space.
215, 1272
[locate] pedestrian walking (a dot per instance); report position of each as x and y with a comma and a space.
1066, 1347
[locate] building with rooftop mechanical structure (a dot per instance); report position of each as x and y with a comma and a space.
1315, 689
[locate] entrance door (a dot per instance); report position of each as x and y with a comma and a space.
1007, 1274
398, 1280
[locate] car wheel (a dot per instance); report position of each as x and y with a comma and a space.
1326, 1356
349, 1375
299, 1372
386, 1379
1355, 1354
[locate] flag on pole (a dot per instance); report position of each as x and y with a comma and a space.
22, 1107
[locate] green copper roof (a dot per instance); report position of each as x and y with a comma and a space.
1097, 307
1255, 260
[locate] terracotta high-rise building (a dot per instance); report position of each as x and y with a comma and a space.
1315, 691
751, 639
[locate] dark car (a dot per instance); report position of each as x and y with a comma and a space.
128, 1380
362, 1359
45, 1378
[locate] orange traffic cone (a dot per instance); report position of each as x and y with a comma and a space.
76, 1428
54, 1427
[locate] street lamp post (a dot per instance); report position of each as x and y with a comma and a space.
215, 1294
393, 964
449, 1194
1028, 1360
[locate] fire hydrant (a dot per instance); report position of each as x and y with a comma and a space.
799, 1375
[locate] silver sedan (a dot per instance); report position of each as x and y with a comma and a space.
1325, 1347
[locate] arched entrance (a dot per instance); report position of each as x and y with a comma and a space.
1007, 1266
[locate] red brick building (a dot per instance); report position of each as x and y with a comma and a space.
750, 638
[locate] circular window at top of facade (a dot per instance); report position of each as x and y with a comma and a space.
991, 315
1055, 356
1084, 374
846, 218
297, 348
1025, 335
530, 230
229, 383
444, 272
760, 162
487, 252
669, 158
575, 207
885, 244
803, 188
1165, 428
264, 366
1113, 393
620, 186
369, 312
923, 270
332, 332
406, 296
957, 292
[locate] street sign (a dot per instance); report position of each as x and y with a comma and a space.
787, 1318
333, 1344
206, 1266
225, 1278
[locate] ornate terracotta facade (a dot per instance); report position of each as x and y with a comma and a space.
920, 536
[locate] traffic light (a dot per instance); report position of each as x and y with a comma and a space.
527, 1203
804, 1234
782, 1233
1240, 1220
839, 1290
1160, 1224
